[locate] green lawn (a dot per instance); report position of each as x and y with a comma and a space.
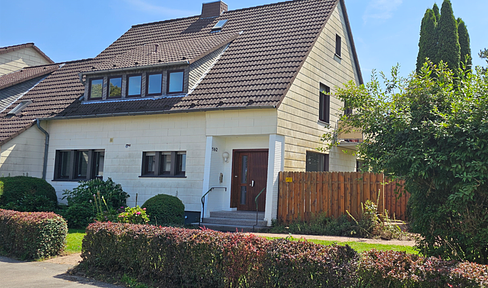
75, 237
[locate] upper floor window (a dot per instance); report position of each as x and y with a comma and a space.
79, 164
96, 88
175, 81
154, 83
115, 87
324, 103
134, 85
338, 46
317, 162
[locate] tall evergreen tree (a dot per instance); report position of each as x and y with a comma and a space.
428, 39
436, 12
464, 43
448, 39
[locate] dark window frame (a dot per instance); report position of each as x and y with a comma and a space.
338, 46
158, 165
127, 86
325, 160
108, 86
324, 103
168, 81
147, 83
90, 88
73, 155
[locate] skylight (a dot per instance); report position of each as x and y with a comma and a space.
219, 25
19, 107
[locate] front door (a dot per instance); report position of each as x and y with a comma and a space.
249, 177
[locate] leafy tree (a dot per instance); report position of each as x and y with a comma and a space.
484, 54
449, 49
434, 134
466, 61
428, 39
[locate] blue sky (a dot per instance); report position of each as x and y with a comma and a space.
385, 32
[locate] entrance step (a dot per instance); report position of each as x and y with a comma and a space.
232, 221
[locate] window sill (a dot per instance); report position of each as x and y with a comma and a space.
69, 180
162, 176
322, 122
338, 56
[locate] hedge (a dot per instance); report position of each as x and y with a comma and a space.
399, 269
177, 257
32, 235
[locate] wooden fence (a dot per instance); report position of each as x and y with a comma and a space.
305, 194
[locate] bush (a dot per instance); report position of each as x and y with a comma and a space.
177, 257
24, 193
320, 225
165, 210
398, 269
81, 207
32, 235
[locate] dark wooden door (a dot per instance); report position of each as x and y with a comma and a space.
250, 170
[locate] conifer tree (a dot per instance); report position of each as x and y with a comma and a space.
464, 43
449, 49
428, 39
436, 12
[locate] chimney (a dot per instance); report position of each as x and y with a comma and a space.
213, 9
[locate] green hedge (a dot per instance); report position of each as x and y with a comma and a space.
24, 193
177, 257
32, 235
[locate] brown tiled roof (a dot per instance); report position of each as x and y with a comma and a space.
12, 48
49, 97
255, 71
26, 74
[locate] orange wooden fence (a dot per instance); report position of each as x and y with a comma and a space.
305, 194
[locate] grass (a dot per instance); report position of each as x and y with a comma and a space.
74, 239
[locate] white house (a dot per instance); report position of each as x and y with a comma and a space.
218, 102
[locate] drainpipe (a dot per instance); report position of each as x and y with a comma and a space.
46, 149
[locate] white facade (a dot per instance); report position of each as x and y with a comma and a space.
16, 60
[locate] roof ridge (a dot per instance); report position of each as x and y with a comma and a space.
163, 21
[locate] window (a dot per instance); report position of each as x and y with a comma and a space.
115, 87
175, 81
154, 83
324, 103
338, 46
95, 89
359, 165
164, 164
134, 85
75, 165
347, 111
317, 162
219, 26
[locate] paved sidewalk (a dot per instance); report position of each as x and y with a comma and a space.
18, 274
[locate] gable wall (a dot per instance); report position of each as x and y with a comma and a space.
23, 155
16, 60
298, 114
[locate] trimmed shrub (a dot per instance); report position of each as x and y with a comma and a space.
24, 193
177, 257
399, 269
32, 235
81, 207
165, 210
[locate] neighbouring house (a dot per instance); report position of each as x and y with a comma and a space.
16, 57
218, 102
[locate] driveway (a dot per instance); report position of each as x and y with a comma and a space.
18, 274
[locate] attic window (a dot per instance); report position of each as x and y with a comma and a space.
219, 26
19, 107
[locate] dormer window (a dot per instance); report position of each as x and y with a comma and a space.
115, 87
95, 90
134, 85
154, 84
175, 82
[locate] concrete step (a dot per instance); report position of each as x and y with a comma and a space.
233, 228
234, 221
237, 214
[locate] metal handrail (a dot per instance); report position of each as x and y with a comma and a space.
200, 219
257, 207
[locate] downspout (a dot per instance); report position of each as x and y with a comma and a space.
46, 148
